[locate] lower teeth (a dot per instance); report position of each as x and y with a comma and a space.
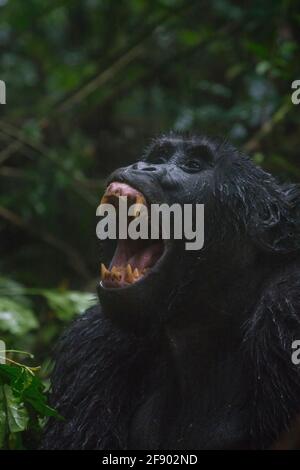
119, 273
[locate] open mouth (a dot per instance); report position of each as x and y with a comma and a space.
133, 259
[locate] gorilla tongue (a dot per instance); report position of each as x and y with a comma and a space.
131, 261
138, 253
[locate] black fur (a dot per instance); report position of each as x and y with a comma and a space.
200, 358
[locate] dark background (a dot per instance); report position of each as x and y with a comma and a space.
89, 83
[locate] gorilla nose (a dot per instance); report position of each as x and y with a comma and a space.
142, 166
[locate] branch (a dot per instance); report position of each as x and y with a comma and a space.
268, 126
13, 172
77, 184
75, 260
101, 79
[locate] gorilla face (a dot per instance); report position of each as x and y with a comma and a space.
173, 170
154, 281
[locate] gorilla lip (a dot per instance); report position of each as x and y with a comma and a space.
132, 259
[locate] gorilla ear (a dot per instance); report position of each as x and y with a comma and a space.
275, 222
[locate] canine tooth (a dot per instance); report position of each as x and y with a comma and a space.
140, 200
136, 273
128, 275
104, 272
105, 199
108, 196
115, 273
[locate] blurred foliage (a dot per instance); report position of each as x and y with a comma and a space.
33, 325
88, 84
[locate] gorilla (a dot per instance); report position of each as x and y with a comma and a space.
189, 349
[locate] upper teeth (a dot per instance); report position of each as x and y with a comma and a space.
139, 199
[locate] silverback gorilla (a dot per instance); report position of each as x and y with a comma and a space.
195, 351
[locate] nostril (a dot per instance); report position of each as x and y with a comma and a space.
149, 168
140, 166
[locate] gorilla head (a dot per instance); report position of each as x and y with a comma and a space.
250, 221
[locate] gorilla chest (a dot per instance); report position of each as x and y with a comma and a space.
203, 414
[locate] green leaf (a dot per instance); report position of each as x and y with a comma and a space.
12, 289
8, 286
20, 383
258, 157
17, 415
9, 373
189, 37
33, 391
34, 395
263, 67
69, 303
15, 318
258, 49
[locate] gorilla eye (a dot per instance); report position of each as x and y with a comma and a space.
192, 165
